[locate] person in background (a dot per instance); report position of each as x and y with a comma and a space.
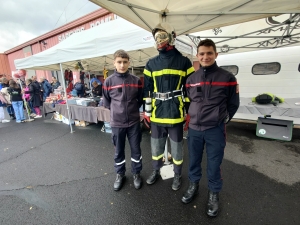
79, 87
124, 102
3, 103
93, 78
97, 89
37, 85
16, 99
9, 107
35, 97
87, 91
46, 87
29, 103
214, 100
55, 83
81, 77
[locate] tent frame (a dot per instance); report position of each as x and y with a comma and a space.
288, 37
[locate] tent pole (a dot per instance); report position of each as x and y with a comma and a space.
65, 90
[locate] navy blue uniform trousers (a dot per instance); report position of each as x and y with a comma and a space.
215, 141
134, 136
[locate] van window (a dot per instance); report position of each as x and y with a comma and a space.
232, 69
299, 67
266, 68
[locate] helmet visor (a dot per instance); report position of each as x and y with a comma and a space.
161, 38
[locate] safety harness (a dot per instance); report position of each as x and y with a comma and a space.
167, 95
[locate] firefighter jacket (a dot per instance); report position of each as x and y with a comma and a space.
164, 79
123, 95
213, 97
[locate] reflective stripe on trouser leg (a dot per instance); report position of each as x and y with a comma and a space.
215, 145
177, 155
157, 150
118, 140
158, 141
176, 136
134, 138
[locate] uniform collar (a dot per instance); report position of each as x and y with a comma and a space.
210, 69
169, 53
122, 74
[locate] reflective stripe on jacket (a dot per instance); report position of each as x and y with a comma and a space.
213, 97
123, 95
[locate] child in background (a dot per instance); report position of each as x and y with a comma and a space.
2, 104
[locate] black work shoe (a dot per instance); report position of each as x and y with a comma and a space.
120, 179
176, 182
153, 177
213, 204
190, 193
137, 181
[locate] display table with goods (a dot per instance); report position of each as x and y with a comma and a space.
81, 109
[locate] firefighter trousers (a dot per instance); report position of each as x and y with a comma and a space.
215, 141
159, 136
134, 136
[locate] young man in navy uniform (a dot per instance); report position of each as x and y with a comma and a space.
214, 100
123, 95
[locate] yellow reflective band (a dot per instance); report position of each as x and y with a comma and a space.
170, 72
167, 121
157, 157
186, 99
190, 70
180, 106
147, 72
177, 162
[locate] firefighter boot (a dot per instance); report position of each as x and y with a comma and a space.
137, 181
190, 193
153, 177
213, 204
176, 182
120, 180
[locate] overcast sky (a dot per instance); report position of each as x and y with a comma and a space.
23, 20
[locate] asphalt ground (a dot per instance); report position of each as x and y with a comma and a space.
51, 176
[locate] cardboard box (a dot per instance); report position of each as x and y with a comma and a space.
77, 123
57, 116
67, 121
81, 123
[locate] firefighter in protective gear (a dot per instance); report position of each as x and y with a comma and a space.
164, 80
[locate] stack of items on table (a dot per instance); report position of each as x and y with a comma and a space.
82, 101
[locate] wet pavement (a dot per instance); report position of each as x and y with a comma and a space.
51, 176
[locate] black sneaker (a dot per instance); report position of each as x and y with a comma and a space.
120, 180
176, 182
137, 181
153, 177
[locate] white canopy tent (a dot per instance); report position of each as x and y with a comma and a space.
95, 47
189, 16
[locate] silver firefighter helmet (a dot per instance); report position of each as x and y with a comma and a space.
164, 34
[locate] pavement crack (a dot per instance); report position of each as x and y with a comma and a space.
16, 156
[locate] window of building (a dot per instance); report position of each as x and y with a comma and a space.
232, 69
266, 68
